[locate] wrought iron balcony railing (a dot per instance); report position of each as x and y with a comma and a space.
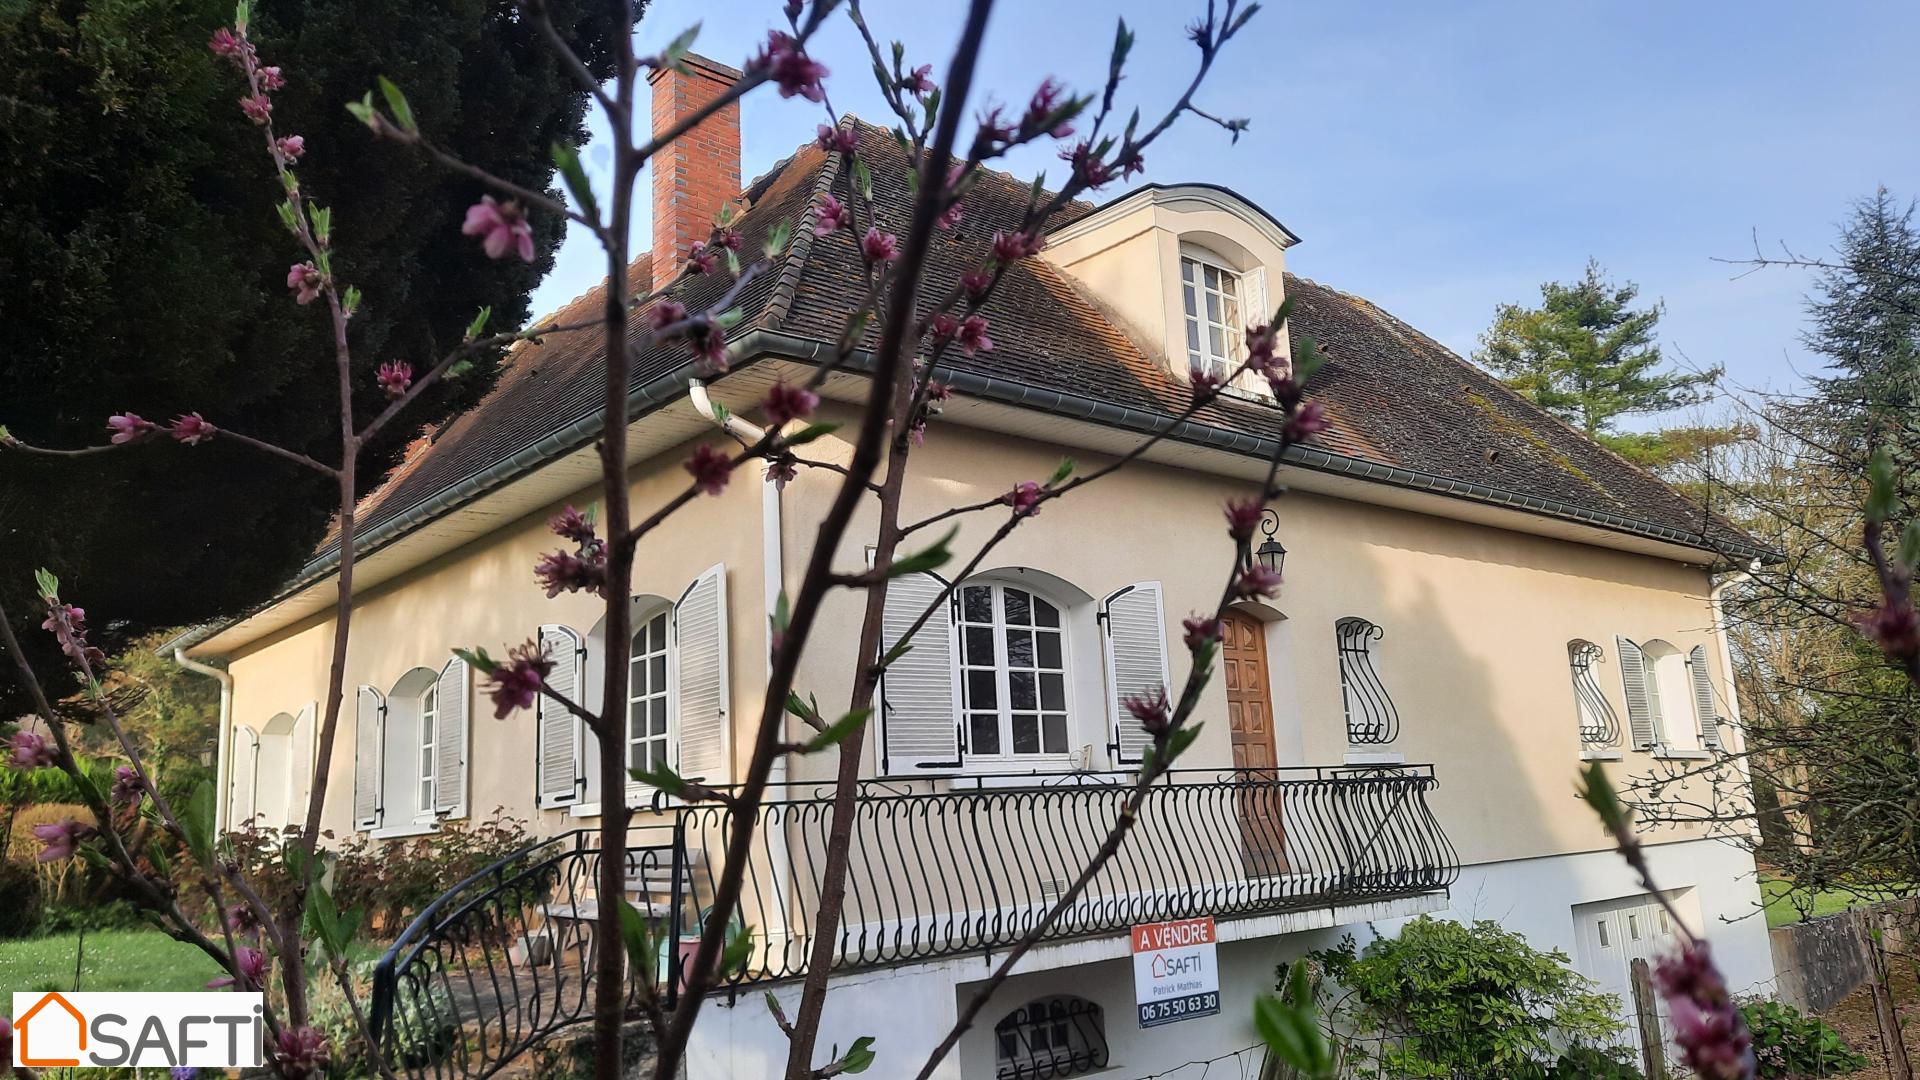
940, 867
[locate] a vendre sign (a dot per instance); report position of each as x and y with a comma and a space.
133, 1030
1176, 974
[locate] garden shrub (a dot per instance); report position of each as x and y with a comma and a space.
1789, 1043
1586, 1062
1453, 1001
19, 901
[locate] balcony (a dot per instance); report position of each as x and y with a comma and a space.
940, 867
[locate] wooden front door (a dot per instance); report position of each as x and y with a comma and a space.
1243, 661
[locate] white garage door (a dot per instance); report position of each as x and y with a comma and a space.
1611, 934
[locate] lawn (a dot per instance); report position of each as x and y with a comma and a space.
111, 960
1780, 912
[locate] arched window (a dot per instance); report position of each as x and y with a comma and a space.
1670, 697
428, 730
1599, 726
648, 741
1013, 673
1667, 696
1052, 1037
1372, 719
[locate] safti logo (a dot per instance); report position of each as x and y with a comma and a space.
134, 1030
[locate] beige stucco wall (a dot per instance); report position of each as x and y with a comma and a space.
1476, 623
484, 594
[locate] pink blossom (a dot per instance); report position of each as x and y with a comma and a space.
1200, 630
192, 429
973, 335
228, 44
1203, 381
1285, 390
796, 73
701, 258
501, 226
1261, 349
128, 788
1012, 247
938, 391
709, 343
729, 239
781, 471
518, 682
784, 403
1045, 102
395, 378
1024, 498
951, 216
665, 313
840, 140
1243, 516
1893, 626
976, 283
1308, 420
291, 147
306, 281
832, 216
943, 326
919, 81
571, 524
1153, 711
918, 432
567, 571
61, 839
68, 624
877, 246
1256, 581
300, 1053
258, 107
242, 919
129, 427
710, 468
32, 750
1712, 1036
994, 127
272, 79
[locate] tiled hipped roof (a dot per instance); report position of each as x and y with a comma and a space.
1395, 396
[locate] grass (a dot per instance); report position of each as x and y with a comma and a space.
111, 960
1781, 912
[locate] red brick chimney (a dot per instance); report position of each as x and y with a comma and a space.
700, 172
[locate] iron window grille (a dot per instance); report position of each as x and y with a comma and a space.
1371, 718
1599, 725
1052, 1037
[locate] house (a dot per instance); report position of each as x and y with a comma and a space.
1479, 600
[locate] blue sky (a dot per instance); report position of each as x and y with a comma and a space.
1440, 159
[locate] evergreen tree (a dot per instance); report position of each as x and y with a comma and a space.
1865, 316
1586, 356
142, 265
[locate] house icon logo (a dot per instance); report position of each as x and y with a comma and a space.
48, 1016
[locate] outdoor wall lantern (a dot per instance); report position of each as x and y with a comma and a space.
1270, 553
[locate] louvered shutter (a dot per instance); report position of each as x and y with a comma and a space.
450, 741
1633, 679
1135, 625
1703, 697
700, 678
301, 749
370, 715
558, 779
920, 691
243, 781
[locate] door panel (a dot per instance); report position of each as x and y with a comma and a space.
1243, 664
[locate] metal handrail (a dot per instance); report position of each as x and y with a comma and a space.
939, 866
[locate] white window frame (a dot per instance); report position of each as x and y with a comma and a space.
427, 727
668, 740
1196, 324
1002, 670
1675, 736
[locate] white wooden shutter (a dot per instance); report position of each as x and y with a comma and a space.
558, 778
1259, 305
369, 730
1135, 639
1703, 697
301, 757
699, 691
450, 740
1633, 679
920, 691
243, 781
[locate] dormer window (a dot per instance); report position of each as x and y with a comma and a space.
1211, 295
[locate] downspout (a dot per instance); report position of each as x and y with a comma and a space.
772, 577
221, 758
